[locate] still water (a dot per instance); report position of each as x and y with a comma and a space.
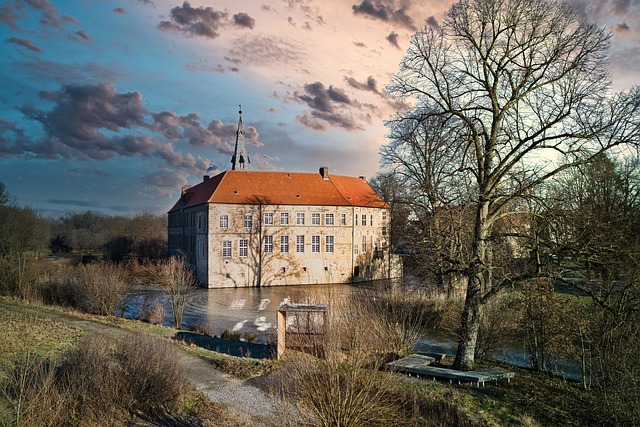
254, 310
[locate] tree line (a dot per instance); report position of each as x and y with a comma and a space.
115, 238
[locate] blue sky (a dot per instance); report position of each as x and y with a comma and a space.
114, 105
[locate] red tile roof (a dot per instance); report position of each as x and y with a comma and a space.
281, 188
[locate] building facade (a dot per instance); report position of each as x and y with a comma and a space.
246, 228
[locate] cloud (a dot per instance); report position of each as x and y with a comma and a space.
50, 15
65, 73
195, 21
119, 10
393, 39
9, 16
432, 22
260, 50
96, 122
326, 106
82, 35
81, 111
25, 43
71, 202
204, 67
164, 183
622, 28
385, 11
320, 98
244, 20
370, 85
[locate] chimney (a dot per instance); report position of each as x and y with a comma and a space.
205, 177
362, 177
324, 172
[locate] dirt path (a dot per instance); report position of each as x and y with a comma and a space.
252, 405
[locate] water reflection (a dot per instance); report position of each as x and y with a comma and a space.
253, 310
239, 309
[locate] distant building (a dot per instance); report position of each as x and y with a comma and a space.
248, 228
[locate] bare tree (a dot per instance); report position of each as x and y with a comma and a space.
525, 86
176, 278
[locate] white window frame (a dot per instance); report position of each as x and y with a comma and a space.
315, 218
284, 218
364, 243
224, 221
343, 219
328, 244
300, 243
268, 244
268, 218
243, 248
226, 249
328, 219
248, 221
364, 220
284, 244
300, 218
315, 244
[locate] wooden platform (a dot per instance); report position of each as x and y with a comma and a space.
419, 365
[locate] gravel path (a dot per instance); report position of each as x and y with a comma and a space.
252, 405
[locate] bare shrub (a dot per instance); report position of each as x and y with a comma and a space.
499, 322
152, 311
55, 285
18, 274
334, 392
139, 373
30, 393
101, 288
175, 277
393, 318
150, 374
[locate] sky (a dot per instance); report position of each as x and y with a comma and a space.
113, 106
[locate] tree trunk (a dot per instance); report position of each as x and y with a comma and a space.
478, 282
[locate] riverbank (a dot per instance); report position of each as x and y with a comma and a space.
530, 399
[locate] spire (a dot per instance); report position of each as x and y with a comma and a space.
240, 159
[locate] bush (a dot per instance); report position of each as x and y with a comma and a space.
98, 383
101, 288
152, 311
31, 395
230, 335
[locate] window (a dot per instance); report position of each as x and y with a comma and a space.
300, 218
224, 221
315, 219
315, 244
268, 244
364, 220
364, 244
300, 244
328, 219
226, 249
268, 218
243, 248
355, 249
284, 218
343, 219
384, 230
328, 244
284, 244
356, 217
384, 215
248, 221
371, 220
